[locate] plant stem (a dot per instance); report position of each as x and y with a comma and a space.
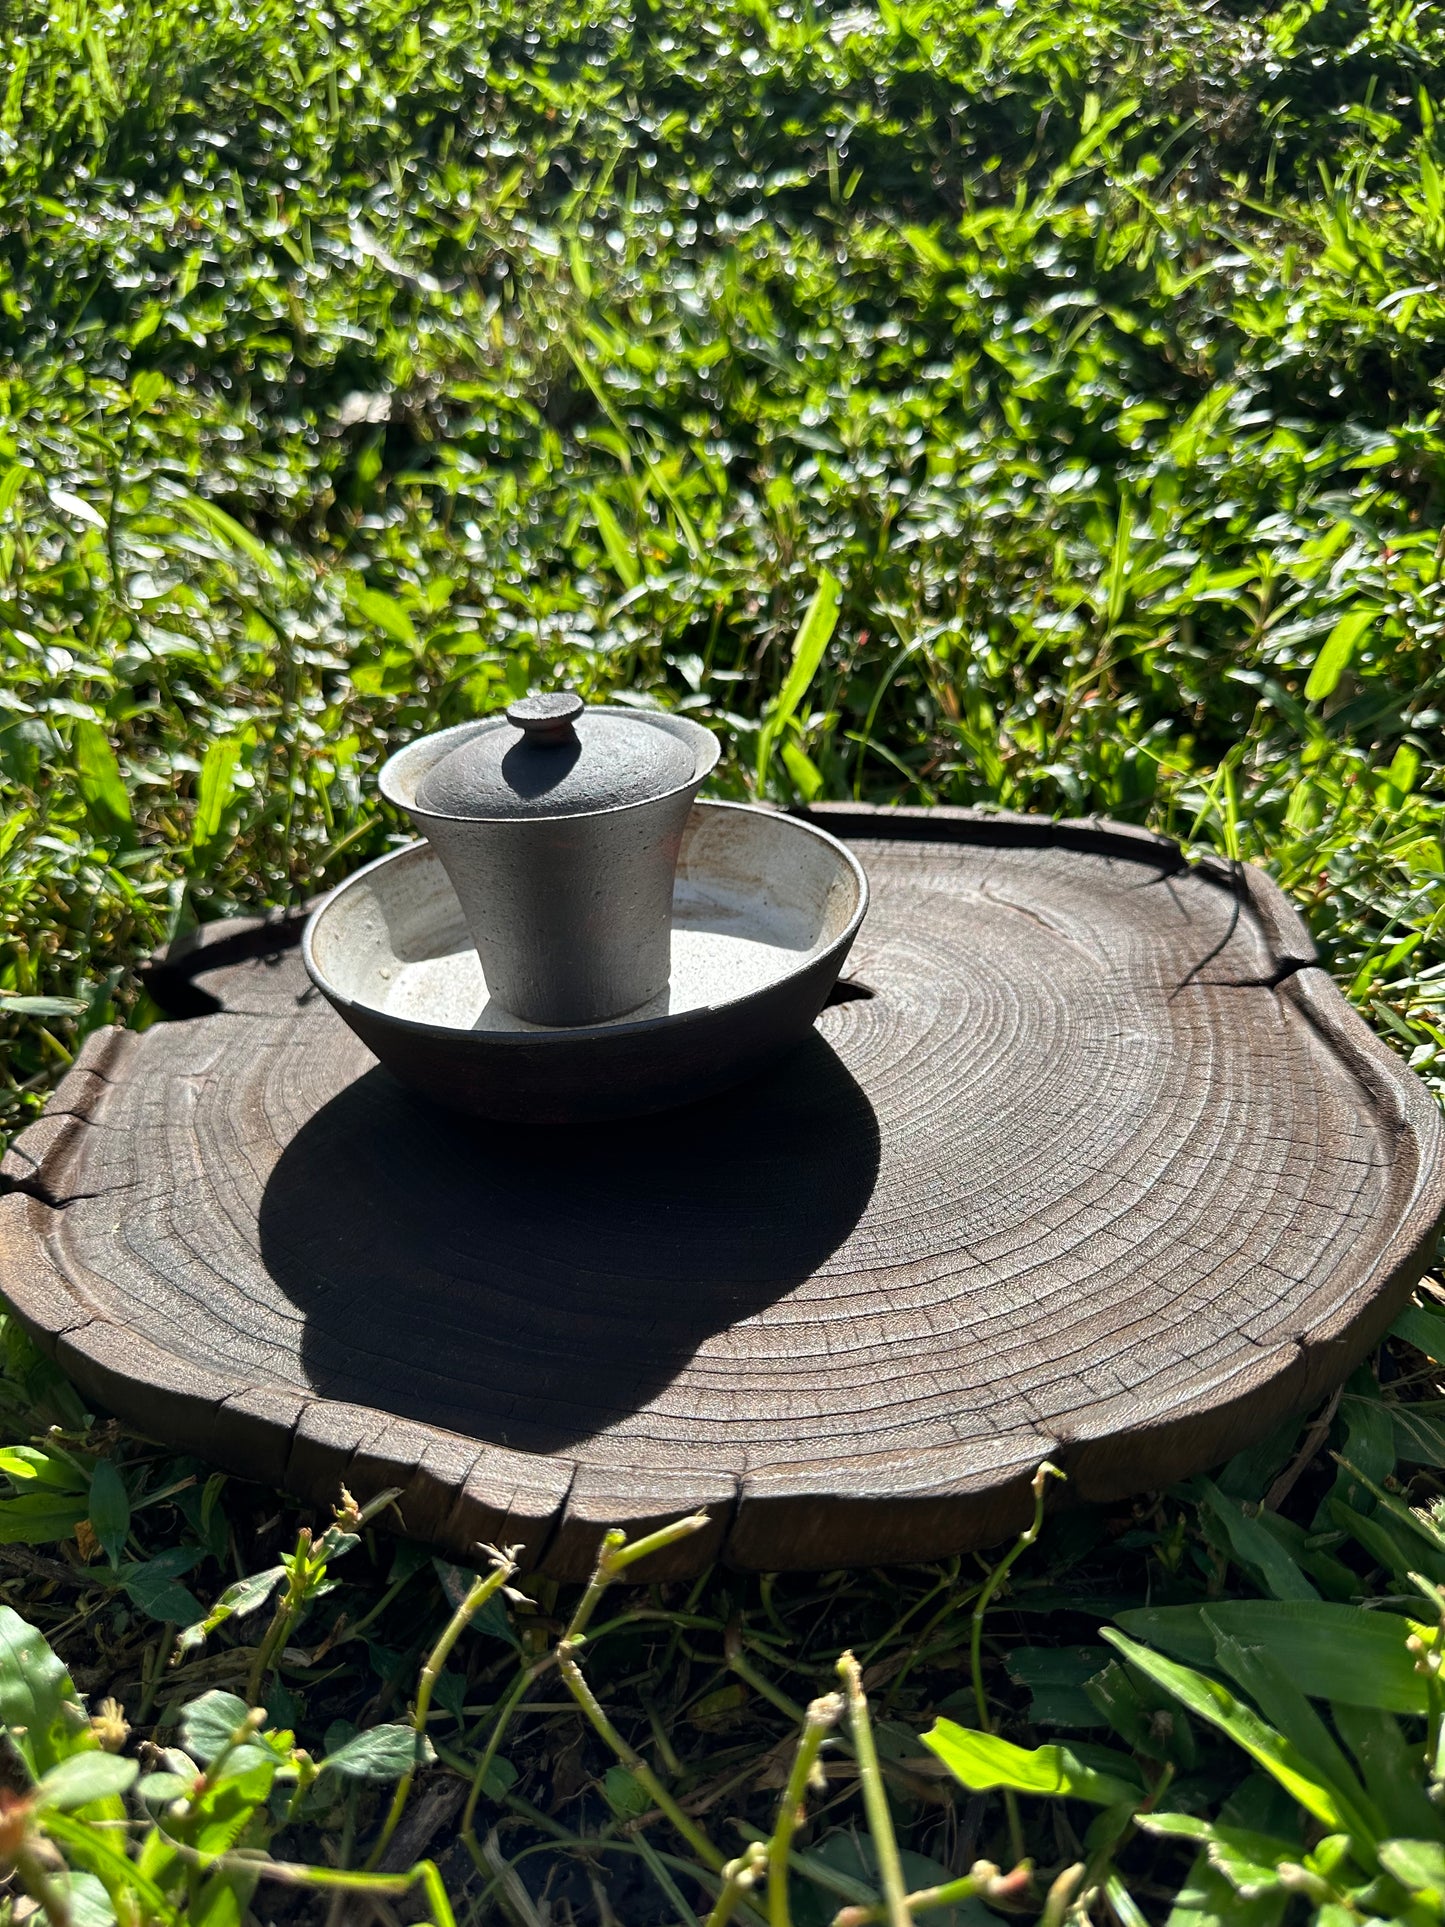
239, 1735
282, 1619
739, 1877
633, 1761
948, 1895
151, 1683
990, 1586
875, 1797
477, 1595
820, 1717
41, 1888
1061, 1895
294, 1874
617, 1555
521, 1686
760, 1683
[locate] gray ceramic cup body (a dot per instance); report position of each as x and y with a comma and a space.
571, 915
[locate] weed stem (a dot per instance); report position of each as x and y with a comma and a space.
990, 1586
633, 1761
477, 1595
819, 1720
875, 1796
739, 1877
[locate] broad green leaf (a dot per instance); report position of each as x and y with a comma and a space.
1419, 1432
1096, 132
1330, 1651
1416, 1864
500, 1777
845, 1864
1369, 1442
983, 1760
84, 1777
226, 1811
99, 780
625, 1793
43, 1006
493, 1618
1248, 1861
161, 1788
39, 1518
1290, 1715
814, 634
927, 248
1390, 1767
101, 1852
1403, 771
227, 530
12, 480
215, 788
87, 1901
54, 1470
209, 1723
1340, 645
148, 386
1056, 1677
245, 1596
1253, 1546
386, 613
1422, 1326
152, 1584
39, 1708
109, 1504
1132, 1707
1249, 1474
1390, 1545
380, 1753
220, 1900
620, 552
807, 777
1423, 1533
1210, 1701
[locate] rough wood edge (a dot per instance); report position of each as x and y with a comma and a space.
38, 1156
1284, 929
170, 973
303, 1443
1000, 829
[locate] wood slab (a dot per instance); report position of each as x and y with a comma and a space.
1089, 1161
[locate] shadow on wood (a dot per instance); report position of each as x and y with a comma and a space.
532, 1286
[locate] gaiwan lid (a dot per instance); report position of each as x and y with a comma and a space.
554, 756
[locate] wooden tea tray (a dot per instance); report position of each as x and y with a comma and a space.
1104, 1170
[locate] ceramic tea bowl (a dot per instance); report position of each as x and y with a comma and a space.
764, 910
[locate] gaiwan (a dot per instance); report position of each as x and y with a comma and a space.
578, 935
559, 827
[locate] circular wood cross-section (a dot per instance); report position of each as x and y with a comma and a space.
1086, 1161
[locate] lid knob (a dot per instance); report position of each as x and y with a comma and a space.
547, 719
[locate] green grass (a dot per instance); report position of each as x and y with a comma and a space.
361, 366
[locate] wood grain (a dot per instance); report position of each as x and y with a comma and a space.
1104, 1169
